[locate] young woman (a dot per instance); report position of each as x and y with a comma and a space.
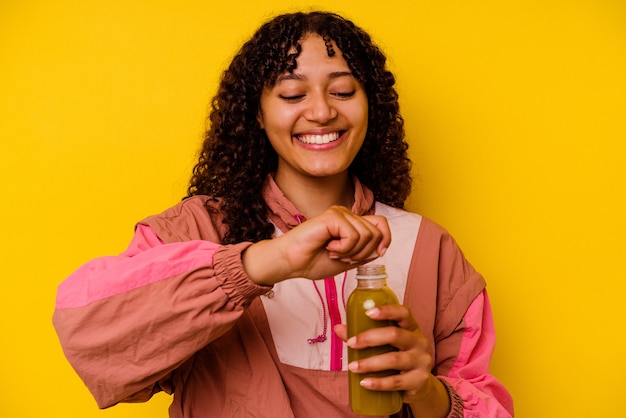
234, 299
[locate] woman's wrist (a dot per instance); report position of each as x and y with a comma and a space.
262, 263
435, 401
456, 402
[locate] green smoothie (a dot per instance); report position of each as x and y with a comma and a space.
369, 294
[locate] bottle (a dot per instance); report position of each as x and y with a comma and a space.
371, 291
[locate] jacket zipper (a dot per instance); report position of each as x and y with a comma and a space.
336, 345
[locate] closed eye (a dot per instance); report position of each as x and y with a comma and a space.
292, 99
344, 95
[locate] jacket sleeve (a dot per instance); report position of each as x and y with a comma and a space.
474, 392
126, 322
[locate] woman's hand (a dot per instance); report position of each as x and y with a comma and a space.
421, 390
322, 246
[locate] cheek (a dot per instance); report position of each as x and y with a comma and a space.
360, 118
359, 113
268, 114
278, 134
277, 127
277, 118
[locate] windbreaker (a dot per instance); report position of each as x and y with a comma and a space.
176, 312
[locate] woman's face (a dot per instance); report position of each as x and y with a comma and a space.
315, 117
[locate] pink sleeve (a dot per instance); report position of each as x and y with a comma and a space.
483, 396
126, 322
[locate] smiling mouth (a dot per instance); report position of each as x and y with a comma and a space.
318, 139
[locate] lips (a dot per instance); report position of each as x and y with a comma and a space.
318, 139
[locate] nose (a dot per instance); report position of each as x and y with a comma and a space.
320, 108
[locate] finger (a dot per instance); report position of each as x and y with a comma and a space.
400, 314
380, 222
342, 230
357, 230
392, 360
391, 335
375, 245
413, 367
389, 383
409, 382
341, 331
361, 239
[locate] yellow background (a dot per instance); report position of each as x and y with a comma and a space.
515, 113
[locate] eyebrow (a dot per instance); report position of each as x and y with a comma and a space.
301, 77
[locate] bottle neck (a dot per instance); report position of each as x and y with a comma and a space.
371, 283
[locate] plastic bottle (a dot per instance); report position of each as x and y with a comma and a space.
371, 291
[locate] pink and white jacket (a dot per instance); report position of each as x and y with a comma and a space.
176, 312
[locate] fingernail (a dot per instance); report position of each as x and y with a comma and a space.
366, 383
372, 312
382, 251
354, 366
351, 341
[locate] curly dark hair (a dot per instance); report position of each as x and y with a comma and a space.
236, 155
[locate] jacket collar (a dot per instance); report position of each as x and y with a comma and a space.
283, 212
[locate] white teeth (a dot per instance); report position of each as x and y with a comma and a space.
319, 139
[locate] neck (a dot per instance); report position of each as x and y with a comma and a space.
313, 195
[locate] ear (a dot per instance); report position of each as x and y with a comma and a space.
259, 118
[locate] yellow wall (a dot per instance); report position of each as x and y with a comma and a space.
515, 112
